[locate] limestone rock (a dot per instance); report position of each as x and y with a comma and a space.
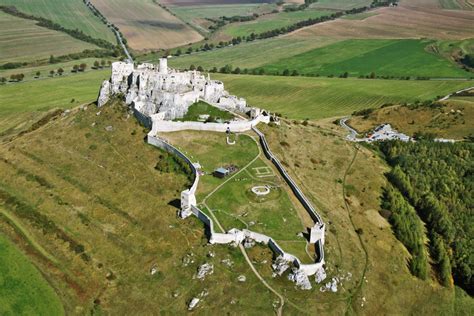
249, 243
241, 278
205, 269
300, 278
280, 266
193, 304
320, 275
104, 94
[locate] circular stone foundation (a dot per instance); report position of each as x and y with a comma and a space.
260, 190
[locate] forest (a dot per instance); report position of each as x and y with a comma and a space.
436, 180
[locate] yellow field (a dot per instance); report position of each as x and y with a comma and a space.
146, 25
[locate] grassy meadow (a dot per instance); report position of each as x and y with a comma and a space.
203, 108
23, 290
315, 98
71, 14
361, 57
23, 41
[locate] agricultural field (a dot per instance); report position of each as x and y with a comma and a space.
270, 22
411, 19
457, 4
23, 290
197, 15
340, 4
146, 25
246, 55
397, 58
71, 14
316, 98
451, 120
23, 41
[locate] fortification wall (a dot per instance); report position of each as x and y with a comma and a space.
233, 126
234, 235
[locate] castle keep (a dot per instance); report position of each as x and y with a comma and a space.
163, 93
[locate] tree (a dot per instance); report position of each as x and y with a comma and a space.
38, 74
261, 71
51, 72
109, 63
372, 75
102, 63
237, 70
3, 80
60, 71
192, 67
199, 68
75, 68
286, 72
96, 64
82, 67
52, 60
345, 75
295, 73
178, 52
189, 51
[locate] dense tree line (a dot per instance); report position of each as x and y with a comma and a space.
437, 179
408, 228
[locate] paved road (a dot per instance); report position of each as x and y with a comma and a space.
353, 133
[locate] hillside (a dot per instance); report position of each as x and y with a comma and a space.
449, 119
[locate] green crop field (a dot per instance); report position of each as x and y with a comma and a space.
247, 55
359, 16
22, 40
23, 290
314, 98
361, 57
71, 14
271, 22
341, 4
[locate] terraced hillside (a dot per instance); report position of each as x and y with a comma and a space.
146, 25
71, 14
23, 41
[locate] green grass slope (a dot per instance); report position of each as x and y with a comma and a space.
361, 57
71, 14
23, 290
302, 97
22, 40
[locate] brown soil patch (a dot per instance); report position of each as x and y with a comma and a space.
421, 19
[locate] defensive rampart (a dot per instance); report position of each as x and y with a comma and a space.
234, 235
